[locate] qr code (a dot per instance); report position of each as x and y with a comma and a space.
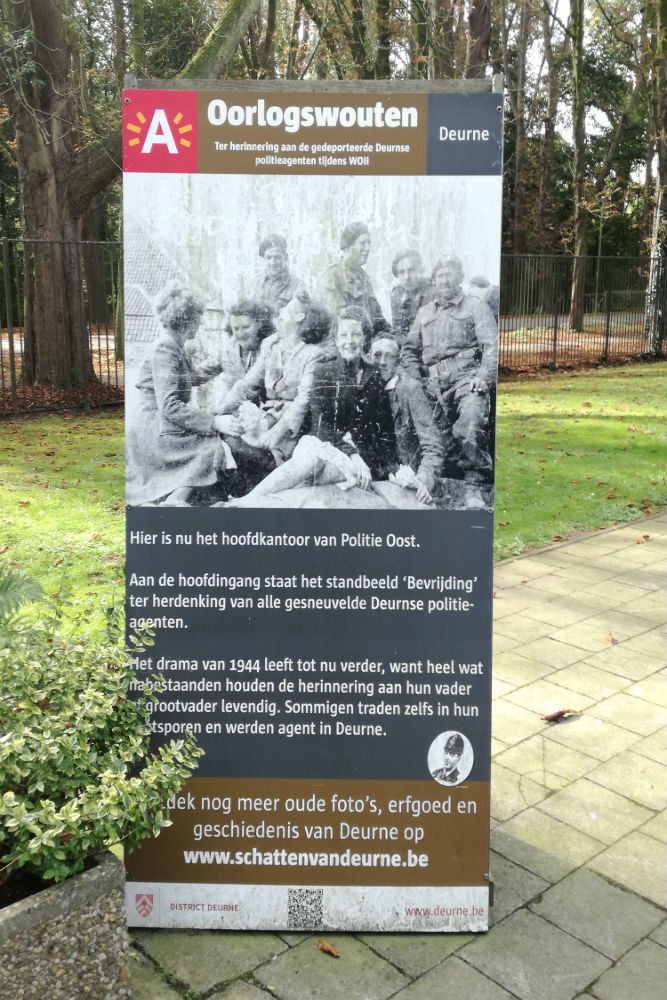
304, 908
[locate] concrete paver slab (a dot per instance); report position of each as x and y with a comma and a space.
617, 591
656, 827
555, 585
565, 611
239, 990
552, 652
531, 567
592, 736
649, 604
652, 688
304, 972
543, 845
499, 688
659, 935
609, 919
145, 982
544, 697
203, 959
513, 886
415, 954
585, 571
501, 643
516, 669
511, 792
635, 776
625, 661
646, 578
292, 938
636, 862
531, 958
649, 643
654, 746
511, 723
646, 965
540, 756
587, 636
454, 980
623, 625
589, 680
632, 713
596, 811
521, 628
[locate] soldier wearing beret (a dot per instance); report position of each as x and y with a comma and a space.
347, 284
278, 286
409, 294
453, 346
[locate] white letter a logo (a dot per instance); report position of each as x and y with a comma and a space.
159, 132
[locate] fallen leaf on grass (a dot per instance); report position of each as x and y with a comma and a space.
503, 524
3, 549
24, 503
560, 714
327, 948
558, 538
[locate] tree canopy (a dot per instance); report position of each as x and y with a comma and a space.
586, 144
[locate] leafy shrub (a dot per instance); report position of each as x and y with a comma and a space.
76, 774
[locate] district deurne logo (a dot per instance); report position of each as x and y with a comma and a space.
143, 902
160, 131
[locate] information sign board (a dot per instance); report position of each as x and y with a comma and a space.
311, 281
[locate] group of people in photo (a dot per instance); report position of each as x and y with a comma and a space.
317, 387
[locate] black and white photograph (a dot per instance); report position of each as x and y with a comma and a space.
450, 758
319, 342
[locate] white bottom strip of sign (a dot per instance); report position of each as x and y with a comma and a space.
333, 908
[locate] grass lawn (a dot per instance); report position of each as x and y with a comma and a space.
575, 450
584, 449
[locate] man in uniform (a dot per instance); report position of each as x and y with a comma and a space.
448, 774
409, 294
278, 286
419, 444
347, 284
453, 346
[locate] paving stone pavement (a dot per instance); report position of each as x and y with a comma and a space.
579, 823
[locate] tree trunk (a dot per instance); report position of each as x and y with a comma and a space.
479, 38
547, 213
656, 295
579, 135
442, 40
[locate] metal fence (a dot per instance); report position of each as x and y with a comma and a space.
624, 310
98, 306
624, 315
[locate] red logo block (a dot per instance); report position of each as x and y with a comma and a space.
160, 131
143, 902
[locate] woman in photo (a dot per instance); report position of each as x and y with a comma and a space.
248, 323
272, 400
173, 446
350, 440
